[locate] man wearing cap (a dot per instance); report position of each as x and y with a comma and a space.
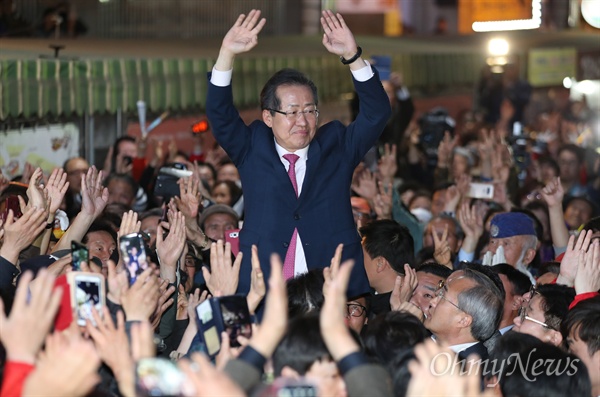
512, 240
216, 220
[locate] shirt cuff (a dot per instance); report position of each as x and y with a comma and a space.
363, 74
582, 297
351, 361
253, 358
221, 78
465, 256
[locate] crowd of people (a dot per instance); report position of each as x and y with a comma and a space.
471, 268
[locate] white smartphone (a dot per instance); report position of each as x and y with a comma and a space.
481, 190
87, 292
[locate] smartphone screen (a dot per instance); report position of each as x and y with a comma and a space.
87, 296
133, 253
481, 190
158, 377
79, 253
236, 318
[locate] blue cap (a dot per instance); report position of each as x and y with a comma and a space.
511, 224
383, 63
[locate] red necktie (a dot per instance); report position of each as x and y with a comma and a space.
290, 256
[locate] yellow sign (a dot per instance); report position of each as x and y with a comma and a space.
470, 11
547, 67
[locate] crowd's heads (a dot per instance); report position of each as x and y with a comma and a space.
516, 284
217, 219
149, 224
570, 158
543, 311
387, 245
357, 312
226, 192
122, 189
581, 330
578, 211
305, 293
437, 225
101, 241
75, 167
467, 308
515, 233
302, 353
228, 172
428, 276
390, 333
526, 366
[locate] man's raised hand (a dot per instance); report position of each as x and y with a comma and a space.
242, 37
337, 37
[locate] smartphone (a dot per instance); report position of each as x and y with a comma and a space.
288, 387
158, 377
11, 203
224, 313
233, 237
133, 254
481, 190
79, 253
87, 292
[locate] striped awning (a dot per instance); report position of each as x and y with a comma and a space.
40, 87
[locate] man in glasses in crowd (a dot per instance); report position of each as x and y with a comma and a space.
465, 312
296, 175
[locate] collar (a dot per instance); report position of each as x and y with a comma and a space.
457, 348
302, 153
506, 329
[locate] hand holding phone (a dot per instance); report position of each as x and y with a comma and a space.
87, 291
133, 254
79, 253
233, 237
481, 190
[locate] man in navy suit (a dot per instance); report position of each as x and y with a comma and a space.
296, 175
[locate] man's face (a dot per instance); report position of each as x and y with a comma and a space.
228, 172
120, 192
513, 247
356, 322
101, 245
533, 310
293, 133
438, 226
592, 362
443, 316
569, 166
326, 376
578, 212
149, 226
127, 149
74, 169
425, 291
216, 225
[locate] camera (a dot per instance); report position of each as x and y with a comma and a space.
166, 182
433, 125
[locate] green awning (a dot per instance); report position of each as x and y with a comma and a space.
43, 87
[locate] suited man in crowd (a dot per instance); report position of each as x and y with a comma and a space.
296, 175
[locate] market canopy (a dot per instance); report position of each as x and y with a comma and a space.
101, 76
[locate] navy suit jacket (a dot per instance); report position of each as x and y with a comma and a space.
322, 214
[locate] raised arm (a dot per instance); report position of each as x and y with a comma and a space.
339, 40
242, 37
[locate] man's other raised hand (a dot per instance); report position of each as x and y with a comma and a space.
242, 37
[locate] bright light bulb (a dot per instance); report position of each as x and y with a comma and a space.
498, 47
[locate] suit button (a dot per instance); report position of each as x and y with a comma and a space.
297, 216
286, 245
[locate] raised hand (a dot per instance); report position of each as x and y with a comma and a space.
223, 277
338, 39
57, 188
587, 278
365, 185
36, 192
189, 198
206, 380
472, 224
452, 198
576, 251
445, 149
553, 193
139, 301
20, 233
169, 250
94, 196
442, 253
388, 165
164, 302
129, 224
31, 317
243, 35
383, 203
258, 289
404, 287
182, 303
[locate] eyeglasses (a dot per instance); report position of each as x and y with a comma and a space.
440, 294
309, 114
523, 316
529, 295
355, 309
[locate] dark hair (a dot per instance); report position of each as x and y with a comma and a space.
150, 212
284, 77
100, 226
584, 322
549, 267
305, 293
118, 143
398, 369
409, 185
519, 282
436, 269
556, 299
570, 147
593, 224
549, 161
418, 194
235, 192
389, 239
390, 333
561, 373
301, 346
125, 178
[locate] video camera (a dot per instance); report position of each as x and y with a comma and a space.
433, 125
